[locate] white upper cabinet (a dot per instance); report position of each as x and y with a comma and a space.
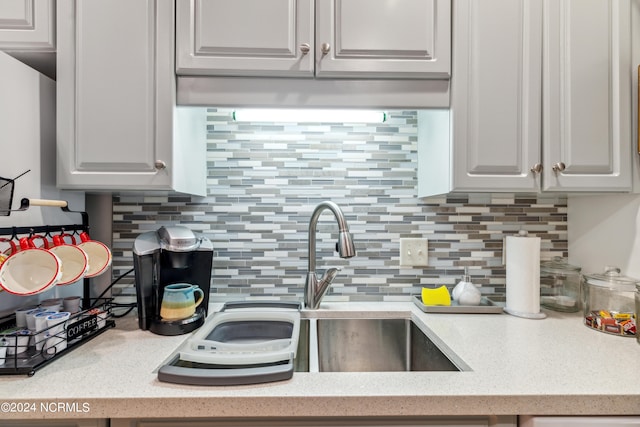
118, 124
245, 37
496, 94
325, 38
383, 38
587, 95
635, 101
28, 25
28, 33
540, 100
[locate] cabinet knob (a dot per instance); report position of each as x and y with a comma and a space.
559, 167
537, 168
160, 165
304, 48
325, 48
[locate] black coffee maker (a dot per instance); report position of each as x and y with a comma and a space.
172, 254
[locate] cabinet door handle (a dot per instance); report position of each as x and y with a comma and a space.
638, 123
160, 165
304, 48
537, 168
325, 48
559, 167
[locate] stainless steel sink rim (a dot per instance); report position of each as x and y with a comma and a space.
324, 356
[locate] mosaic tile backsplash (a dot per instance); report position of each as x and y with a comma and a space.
264, 180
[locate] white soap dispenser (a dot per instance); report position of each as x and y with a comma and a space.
465, 292
457, 290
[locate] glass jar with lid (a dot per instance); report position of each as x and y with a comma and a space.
560, 285
609, 302
637, 309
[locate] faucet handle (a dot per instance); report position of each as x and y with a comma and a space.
329, 275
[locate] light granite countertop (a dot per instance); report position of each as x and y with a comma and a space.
554, 366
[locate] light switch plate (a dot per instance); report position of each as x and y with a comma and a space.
413, 252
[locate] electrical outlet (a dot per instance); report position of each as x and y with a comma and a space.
413, 252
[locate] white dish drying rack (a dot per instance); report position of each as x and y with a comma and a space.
255, 342
241, 342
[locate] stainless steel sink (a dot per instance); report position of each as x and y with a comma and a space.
370, 345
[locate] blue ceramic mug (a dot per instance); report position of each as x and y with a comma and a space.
179, 301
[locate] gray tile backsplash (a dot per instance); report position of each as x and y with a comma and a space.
264, 180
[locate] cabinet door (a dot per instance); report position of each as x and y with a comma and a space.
587, 95
56, 423
245, 37
495, 100
383, 38
587, 421
27, 25
107, 99
459, 421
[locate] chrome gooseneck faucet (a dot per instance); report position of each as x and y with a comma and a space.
315, 289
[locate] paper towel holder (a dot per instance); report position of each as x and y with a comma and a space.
509, 310
525, 315
521, 233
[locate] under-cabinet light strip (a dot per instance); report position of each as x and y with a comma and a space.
308, 115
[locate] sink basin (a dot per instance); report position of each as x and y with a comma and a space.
370, 345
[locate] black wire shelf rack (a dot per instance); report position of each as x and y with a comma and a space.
28, 350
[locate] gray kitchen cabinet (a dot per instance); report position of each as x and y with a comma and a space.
449, 421
56, 423
28, 32
325, 38
118, 124
586, 421
540, 100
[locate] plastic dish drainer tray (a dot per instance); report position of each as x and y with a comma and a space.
256, 342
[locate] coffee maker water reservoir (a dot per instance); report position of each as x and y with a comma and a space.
170, 255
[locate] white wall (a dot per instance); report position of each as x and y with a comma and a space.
604, 230
28, 141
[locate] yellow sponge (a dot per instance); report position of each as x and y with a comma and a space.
437, 296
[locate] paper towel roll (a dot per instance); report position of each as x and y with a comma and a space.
523, 276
